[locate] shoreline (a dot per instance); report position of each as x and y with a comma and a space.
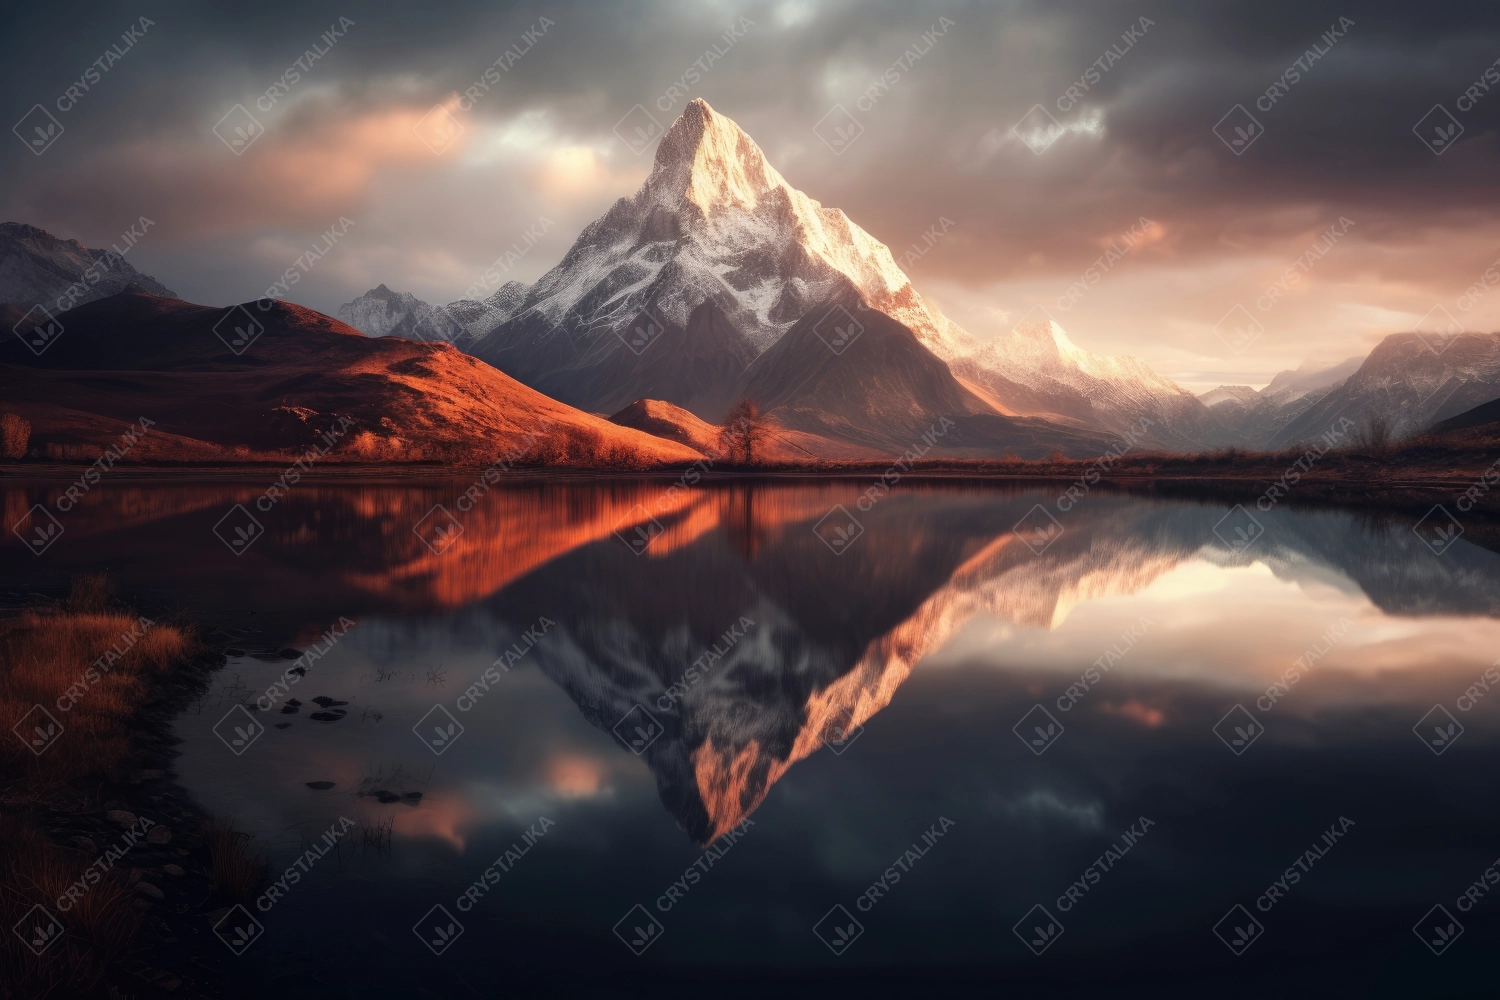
164, 880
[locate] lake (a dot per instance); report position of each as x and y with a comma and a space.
623, 737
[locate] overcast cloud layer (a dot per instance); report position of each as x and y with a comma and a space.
1209, 228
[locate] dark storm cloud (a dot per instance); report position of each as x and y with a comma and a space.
937, 142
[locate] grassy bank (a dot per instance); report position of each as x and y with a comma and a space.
72, 782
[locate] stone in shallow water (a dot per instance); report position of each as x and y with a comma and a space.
324, 701
320, 786
333, 716
121, 817
159, 835
171, 869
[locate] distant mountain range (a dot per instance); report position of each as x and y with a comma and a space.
1257, 417
715, 282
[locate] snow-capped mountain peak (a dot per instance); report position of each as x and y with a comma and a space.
714, 224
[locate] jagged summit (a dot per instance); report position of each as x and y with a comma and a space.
707, 160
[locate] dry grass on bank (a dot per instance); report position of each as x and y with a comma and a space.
238, 873
44, 653
100, 927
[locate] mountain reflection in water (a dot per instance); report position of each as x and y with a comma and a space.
914, 652
822, 640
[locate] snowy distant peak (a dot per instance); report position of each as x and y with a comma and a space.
1044, 346
1294, 383
1241, 395
506, 300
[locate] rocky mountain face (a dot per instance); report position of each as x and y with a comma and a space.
37, 268
1406, 382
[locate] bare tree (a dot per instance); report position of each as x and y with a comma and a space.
14, 433
1376, 435
743, 432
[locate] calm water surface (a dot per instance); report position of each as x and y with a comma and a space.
853, 715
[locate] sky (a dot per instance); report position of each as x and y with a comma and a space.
1057, 155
